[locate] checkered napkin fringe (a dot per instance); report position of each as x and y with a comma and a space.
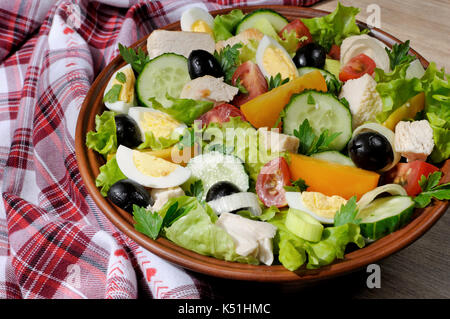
54, 241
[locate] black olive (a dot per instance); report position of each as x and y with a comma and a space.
312, 55
221, 189
201, 63
127, 131
126, 192
371, 151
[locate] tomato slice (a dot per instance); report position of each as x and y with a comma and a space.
271, 179
300, 29
335, 52
220, 114
409, 174
357, 67
251, 77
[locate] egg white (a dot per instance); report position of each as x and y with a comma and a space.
266, 42
191, 15
294, 200
124, 158
118, 106
136, 112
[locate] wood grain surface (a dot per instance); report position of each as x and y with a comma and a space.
421, 270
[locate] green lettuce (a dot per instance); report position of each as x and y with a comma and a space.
225, 24
104, 139
160, 143
334, 27
293, 251
197, 231
183, 110
109, 174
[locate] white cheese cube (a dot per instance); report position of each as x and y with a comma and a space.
363, 98
277, 142
208, 88
414, 140
162, 195
179, 42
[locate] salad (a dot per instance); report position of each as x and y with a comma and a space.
254, 139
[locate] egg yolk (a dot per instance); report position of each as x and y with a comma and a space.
127, 90
201, 26
275, 61
151, 165
160, 124
322, 205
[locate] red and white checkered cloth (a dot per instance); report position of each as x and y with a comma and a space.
54, 241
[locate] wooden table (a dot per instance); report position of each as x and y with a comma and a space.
421, 270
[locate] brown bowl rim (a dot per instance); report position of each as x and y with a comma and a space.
88, 162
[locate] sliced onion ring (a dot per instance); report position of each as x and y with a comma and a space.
390, 136
367, 198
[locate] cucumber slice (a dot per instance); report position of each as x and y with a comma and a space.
303, 225
333, 66
333, 84
334, 157
251, 20
214, 167
165, 74
385, 215
327, 112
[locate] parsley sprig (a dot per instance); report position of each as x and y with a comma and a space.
276, 81
431, 189
196, 190
309, 142
399, 54
347, 213
137, 60
228, 59
297, 186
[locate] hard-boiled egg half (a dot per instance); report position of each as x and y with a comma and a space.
272, 59
197, 20
122, 86
158, 123
320, 206
149, 170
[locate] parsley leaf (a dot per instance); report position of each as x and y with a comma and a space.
121, 77
399, 54
147, 222
113, 94
196, 190
228, 59
276, 81
309, 142
431, 189
241, 87
347, 213
297, 186
137, 60
311, 100
173, 214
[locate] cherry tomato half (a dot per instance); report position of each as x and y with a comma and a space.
300, 29
220, 114
409, 174
251, 77
357, 67
271, 181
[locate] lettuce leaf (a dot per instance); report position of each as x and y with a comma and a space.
104, 139
160, 143
225, 24
109, 174
334, 27
196, 231
293, 251
183, 110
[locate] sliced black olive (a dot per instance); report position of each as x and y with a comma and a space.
221, 189
312, 55
371, 151
201, 63
127, 131
126, 192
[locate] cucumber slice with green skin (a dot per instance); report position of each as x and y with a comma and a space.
327, 112
334, 157
303, 225
251, 20
165, 74
333, 85
385, 215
